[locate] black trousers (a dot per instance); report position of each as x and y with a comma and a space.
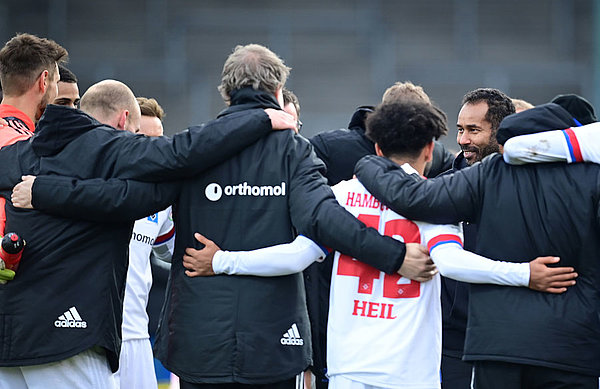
456, 374
287, 384
502, 375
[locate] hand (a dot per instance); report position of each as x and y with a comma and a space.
3, 123
281, 120
417, 264
199, 262
22, 193
550, 279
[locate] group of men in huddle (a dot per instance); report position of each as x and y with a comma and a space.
252, 210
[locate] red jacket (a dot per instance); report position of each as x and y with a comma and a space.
20, 127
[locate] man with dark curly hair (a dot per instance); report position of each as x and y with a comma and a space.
478, 120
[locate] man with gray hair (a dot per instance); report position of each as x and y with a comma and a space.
213, 328
60, 318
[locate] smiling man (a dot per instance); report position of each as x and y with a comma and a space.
478, 120
482, 111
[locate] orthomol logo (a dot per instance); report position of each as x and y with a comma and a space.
214, 191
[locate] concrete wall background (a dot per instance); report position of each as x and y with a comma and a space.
343, 53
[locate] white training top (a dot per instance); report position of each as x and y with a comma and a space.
576, 144
154, 235
385, 330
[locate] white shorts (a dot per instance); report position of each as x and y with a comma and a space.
136, 365
86, 370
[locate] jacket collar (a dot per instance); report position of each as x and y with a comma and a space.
249, 98
460, 162
59, 126
545, 117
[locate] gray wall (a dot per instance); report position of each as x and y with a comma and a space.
343, 53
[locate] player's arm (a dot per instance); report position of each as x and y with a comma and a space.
94, 199
192, 151
445, 245
447, 199
577, 144
271, 261
316, 214
164, 244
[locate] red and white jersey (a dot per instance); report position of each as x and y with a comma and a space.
385, 330
153, 232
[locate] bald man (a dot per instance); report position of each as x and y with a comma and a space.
60, 317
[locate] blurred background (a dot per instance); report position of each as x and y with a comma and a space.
343, 53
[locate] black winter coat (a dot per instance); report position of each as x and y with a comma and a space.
67, 293
522, 212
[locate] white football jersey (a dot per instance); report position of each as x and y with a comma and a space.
385, 330
156, 231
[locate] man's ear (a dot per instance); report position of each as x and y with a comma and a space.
122, 119
378, 150
42, 81
428, 150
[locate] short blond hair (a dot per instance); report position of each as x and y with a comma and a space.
254, 66
405, 91
150, 107
521, 105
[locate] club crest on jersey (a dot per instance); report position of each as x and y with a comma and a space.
214, 191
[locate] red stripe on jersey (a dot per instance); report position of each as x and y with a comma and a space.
443, 239
165, 237
575, 144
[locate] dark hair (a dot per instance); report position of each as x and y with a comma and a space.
290, 97
24, 58
66, 75
499, 104
405, 128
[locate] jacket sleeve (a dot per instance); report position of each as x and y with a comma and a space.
189, 152
112, 200
441, 160
448, 199
316, 214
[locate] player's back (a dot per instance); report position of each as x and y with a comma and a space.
530, 211
383, 330
241, 204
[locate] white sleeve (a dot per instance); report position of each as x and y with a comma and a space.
164, 244
271, 261
576, 144
445, 246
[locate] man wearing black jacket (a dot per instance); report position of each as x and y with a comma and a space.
241, 330
516, 337
60, 318
478, 120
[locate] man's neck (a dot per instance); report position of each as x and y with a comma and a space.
418, 165
22, 103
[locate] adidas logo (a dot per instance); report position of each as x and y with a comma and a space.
292, 337
70, 319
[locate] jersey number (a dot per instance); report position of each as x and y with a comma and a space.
348, 266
